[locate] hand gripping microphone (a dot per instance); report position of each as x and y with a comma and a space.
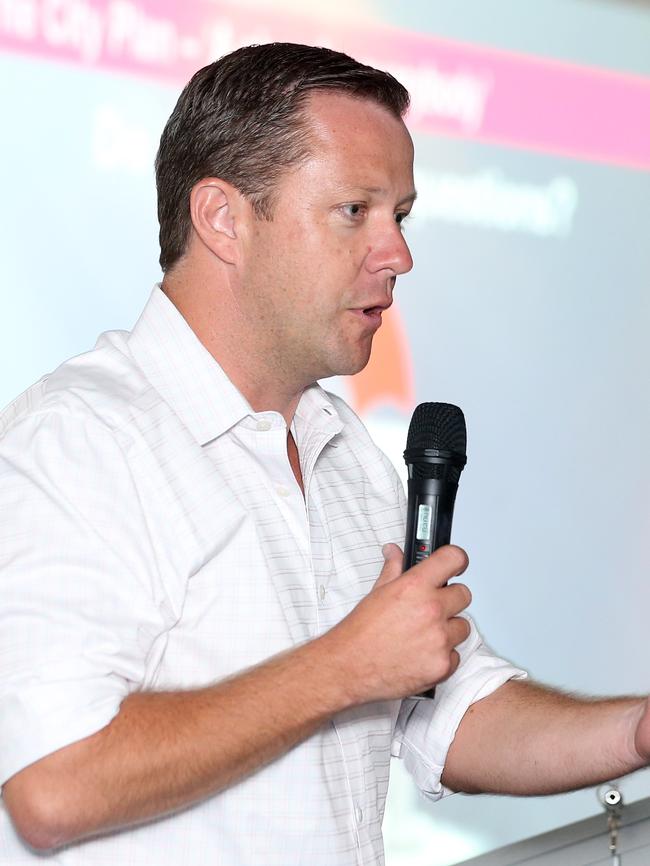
435, 457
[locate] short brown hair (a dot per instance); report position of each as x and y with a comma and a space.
241, 119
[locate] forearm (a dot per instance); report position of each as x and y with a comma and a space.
525, 739
164, 751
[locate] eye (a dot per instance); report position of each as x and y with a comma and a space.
401, 217
354, 211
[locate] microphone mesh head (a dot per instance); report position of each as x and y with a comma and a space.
438, 425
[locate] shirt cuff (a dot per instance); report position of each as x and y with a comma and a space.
425, 729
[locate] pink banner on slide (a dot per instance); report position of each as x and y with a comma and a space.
458, 89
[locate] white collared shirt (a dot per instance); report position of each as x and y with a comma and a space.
153, 536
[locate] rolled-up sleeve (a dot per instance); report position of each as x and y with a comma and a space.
80, 607
426, 728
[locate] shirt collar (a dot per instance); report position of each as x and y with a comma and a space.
316, 412
193, 383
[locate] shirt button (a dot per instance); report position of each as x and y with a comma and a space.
359, 813
322, 592
263, 425
283, 491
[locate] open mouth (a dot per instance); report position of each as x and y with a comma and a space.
370, 315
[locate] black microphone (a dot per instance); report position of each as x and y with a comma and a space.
435, 457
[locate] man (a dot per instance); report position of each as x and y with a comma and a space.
199, 663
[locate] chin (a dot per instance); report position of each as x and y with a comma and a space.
350, 367
347, 361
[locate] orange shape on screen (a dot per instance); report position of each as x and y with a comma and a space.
387, 379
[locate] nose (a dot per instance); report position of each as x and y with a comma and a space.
389, 252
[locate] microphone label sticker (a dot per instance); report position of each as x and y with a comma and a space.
424, 523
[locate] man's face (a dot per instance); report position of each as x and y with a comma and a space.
317, 277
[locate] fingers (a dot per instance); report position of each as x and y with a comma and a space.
454, 599
459, 555
392, 567
452, 667
454, 661
443, 564
405, 632
459, 630
392, 551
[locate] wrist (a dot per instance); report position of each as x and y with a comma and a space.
336, 671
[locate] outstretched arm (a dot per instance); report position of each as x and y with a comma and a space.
525, 739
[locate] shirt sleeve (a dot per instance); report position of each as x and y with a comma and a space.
425, 729
80, 608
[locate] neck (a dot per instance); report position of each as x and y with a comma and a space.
210, 312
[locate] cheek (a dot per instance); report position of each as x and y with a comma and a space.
310, 272
354, 251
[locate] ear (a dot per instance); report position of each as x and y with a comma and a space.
217, 209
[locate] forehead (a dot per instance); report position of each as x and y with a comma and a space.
354, 136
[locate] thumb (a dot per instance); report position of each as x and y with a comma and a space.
392, 567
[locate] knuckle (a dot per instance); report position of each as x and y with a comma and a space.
407, 581
436, 611
406, 589
438, 642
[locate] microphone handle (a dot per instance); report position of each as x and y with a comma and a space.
428, 523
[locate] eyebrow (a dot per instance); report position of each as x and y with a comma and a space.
410, 198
